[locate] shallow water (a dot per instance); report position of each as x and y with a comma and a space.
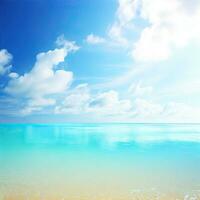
100, 161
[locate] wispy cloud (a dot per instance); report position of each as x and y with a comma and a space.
94, 39
5, 59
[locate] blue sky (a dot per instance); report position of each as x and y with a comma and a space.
99, 61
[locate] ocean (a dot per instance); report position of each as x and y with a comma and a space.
99, 161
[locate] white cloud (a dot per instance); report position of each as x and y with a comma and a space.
81, 101
126, 11
181, 112
66, 44
125, 14
116, 35
164, 27
109, 103
37, 104
146, 109
41, 78
94, 39
139, 91
5, 59
102, 106
76, 100
44, 80
13, 75
172, 24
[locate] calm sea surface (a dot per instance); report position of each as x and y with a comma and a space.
100, 161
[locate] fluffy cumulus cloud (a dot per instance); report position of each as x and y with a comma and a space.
169, 24
109, 103
94, 39
75, 101
5, 59
81, 100
166, 25
38, 86
124, 16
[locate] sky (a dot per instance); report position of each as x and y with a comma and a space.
99, 61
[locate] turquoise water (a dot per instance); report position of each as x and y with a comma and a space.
100, 161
